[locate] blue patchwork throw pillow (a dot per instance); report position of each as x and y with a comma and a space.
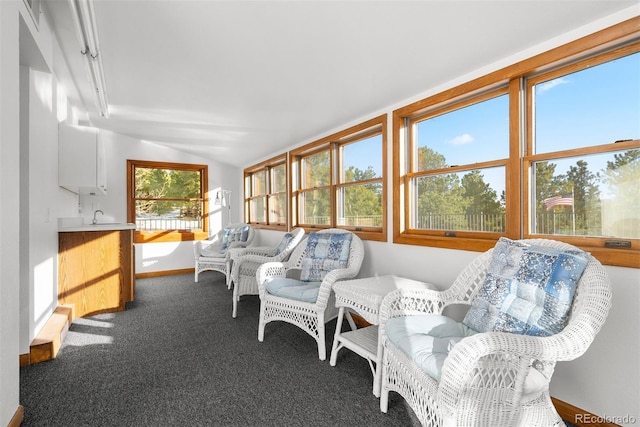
286, 239
325, 252
231, 235
528, 289
242, 233
227, 236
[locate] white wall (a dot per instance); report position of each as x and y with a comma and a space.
42, 105
606, 380
38, 229
9, 210
152, 257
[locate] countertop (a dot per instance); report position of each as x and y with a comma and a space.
99, 227
78, 224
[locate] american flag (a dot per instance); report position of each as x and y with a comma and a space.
559, 200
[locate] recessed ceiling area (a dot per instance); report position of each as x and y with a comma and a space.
240, 81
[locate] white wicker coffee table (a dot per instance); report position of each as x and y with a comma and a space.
364, 297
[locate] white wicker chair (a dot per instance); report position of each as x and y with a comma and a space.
311, 317
483, 376
245, 263
209, 254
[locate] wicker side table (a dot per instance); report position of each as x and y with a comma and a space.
364, 297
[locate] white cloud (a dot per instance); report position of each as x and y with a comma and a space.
463, 139
551, 84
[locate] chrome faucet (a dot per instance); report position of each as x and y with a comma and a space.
95, 221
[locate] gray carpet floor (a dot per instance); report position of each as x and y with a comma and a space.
176, 357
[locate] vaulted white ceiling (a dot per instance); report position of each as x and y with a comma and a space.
240, 81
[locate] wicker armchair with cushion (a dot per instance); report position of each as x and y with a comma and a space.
213, 254
299, 291
532, 303
245, 263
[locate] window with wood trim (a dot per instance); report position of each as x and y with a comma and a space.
458, 163
583, 155
167, 201
548, 147
339, 181
266, 194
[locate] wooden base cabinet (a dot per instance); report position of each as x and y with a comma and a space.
96, 270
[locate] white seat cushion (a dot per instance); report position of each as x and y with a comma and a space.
208, 253
293, 289
428, 339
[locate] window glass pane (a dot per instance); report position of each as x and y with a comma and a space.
594, 106
596, 195
315, 207
476, 133
278, 208
466, 201
247, 185
360, 205
259, 183
362, 159
184, 184
316, 171
166, 183
278, 179
168, 215
257, 209
164, 199
265, 196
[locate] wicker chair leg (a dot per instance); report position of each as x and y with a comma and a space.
322, 350
235, 301
261, 325
384, 400
384, 390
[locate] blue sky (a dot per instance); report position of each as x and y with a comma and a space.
596, 106
365, 153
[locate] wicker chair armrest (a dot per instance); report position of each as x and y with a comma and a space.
505, 359
237, 245
474, 347
212, 252
487, 364
567, 345
209, 245
327, 283
238, 261
264, 251
262, 259
249, 262
197, 249
339, 274
271, 269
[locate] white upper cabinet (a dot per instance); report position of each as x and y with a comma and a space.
81, 160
